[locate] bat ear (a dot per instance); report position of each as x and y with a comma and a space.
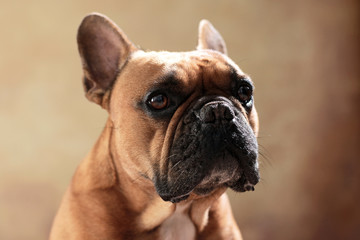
210, 38
104, 49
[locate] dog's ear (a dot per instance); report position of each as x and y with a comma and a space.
210, 38
104, 49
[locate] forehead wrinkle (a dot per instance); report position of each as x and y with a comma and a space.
169, 79
239, 76
215, 77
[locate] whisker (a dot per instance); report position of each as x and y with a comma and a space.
141, 175
265, 155
263, 182
264, 136
172, 167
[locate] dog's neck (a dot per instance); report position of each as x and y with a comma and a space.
99, 173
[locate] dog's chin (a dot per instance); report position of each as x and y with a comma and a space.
226, 174
241, 184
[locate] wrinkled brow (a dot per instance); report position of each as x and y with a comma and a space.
168, 81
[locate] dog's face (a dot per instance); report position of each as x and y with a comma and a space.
185, 121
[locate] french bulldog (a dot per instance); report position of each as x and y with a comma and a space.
181, 130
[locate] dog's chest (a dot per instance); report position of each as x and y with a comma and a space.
178, 226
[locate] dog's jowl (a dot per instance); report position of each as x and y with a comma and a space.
181, 129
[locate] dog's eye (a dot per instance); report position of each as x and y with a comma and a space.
245, 93
158, 102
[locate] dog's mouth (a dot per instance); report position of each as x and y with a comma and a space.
231, 172
203, 179
207, 155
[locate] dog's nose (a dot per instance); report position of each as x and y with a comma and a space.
213, 112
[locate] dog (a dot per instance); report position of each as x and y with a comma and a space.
182, 129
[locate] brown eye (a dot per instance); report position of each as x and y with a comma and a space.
158, 102
245, 93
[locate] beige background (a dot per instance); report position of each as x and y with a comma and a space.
302, 55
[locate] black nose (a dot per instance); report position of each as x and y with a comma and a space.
216, 112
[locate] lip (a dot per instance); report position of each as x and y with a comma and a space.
175, 199
247, 181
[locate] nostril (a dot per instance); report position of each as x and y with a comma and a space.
228, 113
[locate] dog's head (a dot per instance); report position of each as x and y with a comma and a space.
184, 120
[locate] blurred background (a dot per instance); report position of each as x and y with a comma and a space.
302, 55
